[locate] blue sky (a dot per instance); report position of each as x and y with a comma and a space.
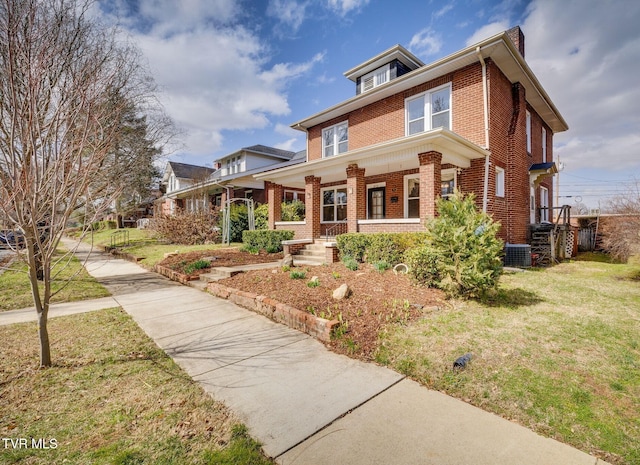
239, 73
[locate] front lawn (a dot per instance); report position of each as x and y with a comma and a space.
557, 350
15, 289
112, 397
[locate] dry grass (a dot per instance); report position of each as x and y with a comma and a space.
112, 397
556, 350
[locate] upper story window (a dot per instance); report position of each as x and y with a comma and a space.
428, 110
499, 182
375, 78
335, 139
544, 145
528, 125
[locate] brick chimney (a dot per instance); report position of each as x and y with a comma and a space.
517, 37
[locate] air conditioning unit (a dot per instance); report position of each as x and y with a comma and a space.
518, 255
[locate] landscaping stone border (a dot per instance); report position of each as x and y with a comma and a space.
174, 275
312, 325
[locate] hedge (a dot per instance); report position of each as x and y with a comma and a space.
378, 247
266, 239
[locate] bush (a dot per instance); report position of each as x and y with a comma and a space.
197, 265
238, 221
350, 262
293, 211
188, 228
105, 224
372, 248
266, 239
261, 215
297, 275
463, 255
381, 266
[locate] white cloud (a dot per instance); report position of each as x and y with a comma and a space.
214, 76
426, 42
487, 31
589, 66
444, 10
290, 145
343, 7
286, 130
288, 12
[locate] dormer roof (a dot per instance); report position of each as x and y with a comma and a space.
397, 52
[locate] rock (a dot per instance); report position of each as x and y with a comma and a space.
342, 292
287, 260
171, 254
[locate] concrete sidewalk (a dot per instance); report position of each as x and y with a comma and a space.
308, 405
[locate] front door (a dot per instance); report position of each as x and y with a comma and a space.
376, 203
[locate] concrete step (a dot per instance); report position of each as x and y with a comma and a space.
311, 253
304, 261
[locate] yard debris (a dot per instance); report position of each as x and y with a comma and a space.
461, 362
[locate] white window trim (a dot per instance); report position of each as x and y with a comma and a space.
544, 145
336, 148
448, 174
406, 193
427, 111
528, 129
374, 186
544, 202
374, 75
500, 186
322, 191
294, 196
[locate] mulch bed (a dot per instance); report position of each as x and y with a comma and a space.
217, 257
378, 299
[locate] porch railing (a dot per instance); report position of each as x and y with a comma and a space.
338, 228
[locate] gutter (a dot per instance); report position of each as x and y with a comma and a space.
485, 101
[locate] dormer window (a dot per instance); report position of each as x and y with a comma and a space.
375, 78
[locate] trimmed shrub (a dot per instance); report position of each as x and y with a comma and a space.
293, 211
266, 239
463, 255
377, 247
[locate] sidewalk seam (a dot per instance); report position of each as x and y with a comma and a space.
338, 418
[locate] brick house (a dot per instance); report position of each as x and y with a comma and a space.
197, 188
477, 120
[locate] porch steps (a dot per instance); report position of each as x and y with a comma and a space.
311, 254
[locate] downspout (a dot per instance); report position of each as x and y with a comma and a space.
485, 101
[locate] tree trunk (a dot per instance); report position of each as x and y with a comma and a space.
43, 333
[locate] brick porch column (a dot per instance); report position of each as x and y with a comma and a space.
274, 199
312, 206
430, 179
356, 197
223, 197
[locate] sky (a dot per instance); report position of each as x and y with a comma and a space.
236, 73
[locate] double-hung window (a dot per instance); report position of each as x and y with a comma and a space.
499, 182
335, 139
334, 204
428, 110
412, 196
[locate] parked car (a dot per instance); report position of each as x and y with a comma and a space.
11, 240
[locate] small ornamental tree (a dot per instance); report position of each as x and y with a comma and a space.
462, 254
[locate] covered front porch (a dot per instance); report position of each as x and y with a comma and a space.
388, 187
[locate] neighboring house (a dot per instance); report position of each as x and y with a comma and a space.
232, 175
477, 120
179, 177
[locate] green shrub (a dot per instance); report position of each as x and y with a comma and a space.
350, 262
197, 265
388, 247
105, 224
238, 221
266, 239
353, 245
293, 211
423, 265
381, 266
463, 255
297, 274
261, 216
313, 283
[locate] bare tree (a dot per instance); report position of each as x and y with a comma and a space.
66, 82
621, 232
